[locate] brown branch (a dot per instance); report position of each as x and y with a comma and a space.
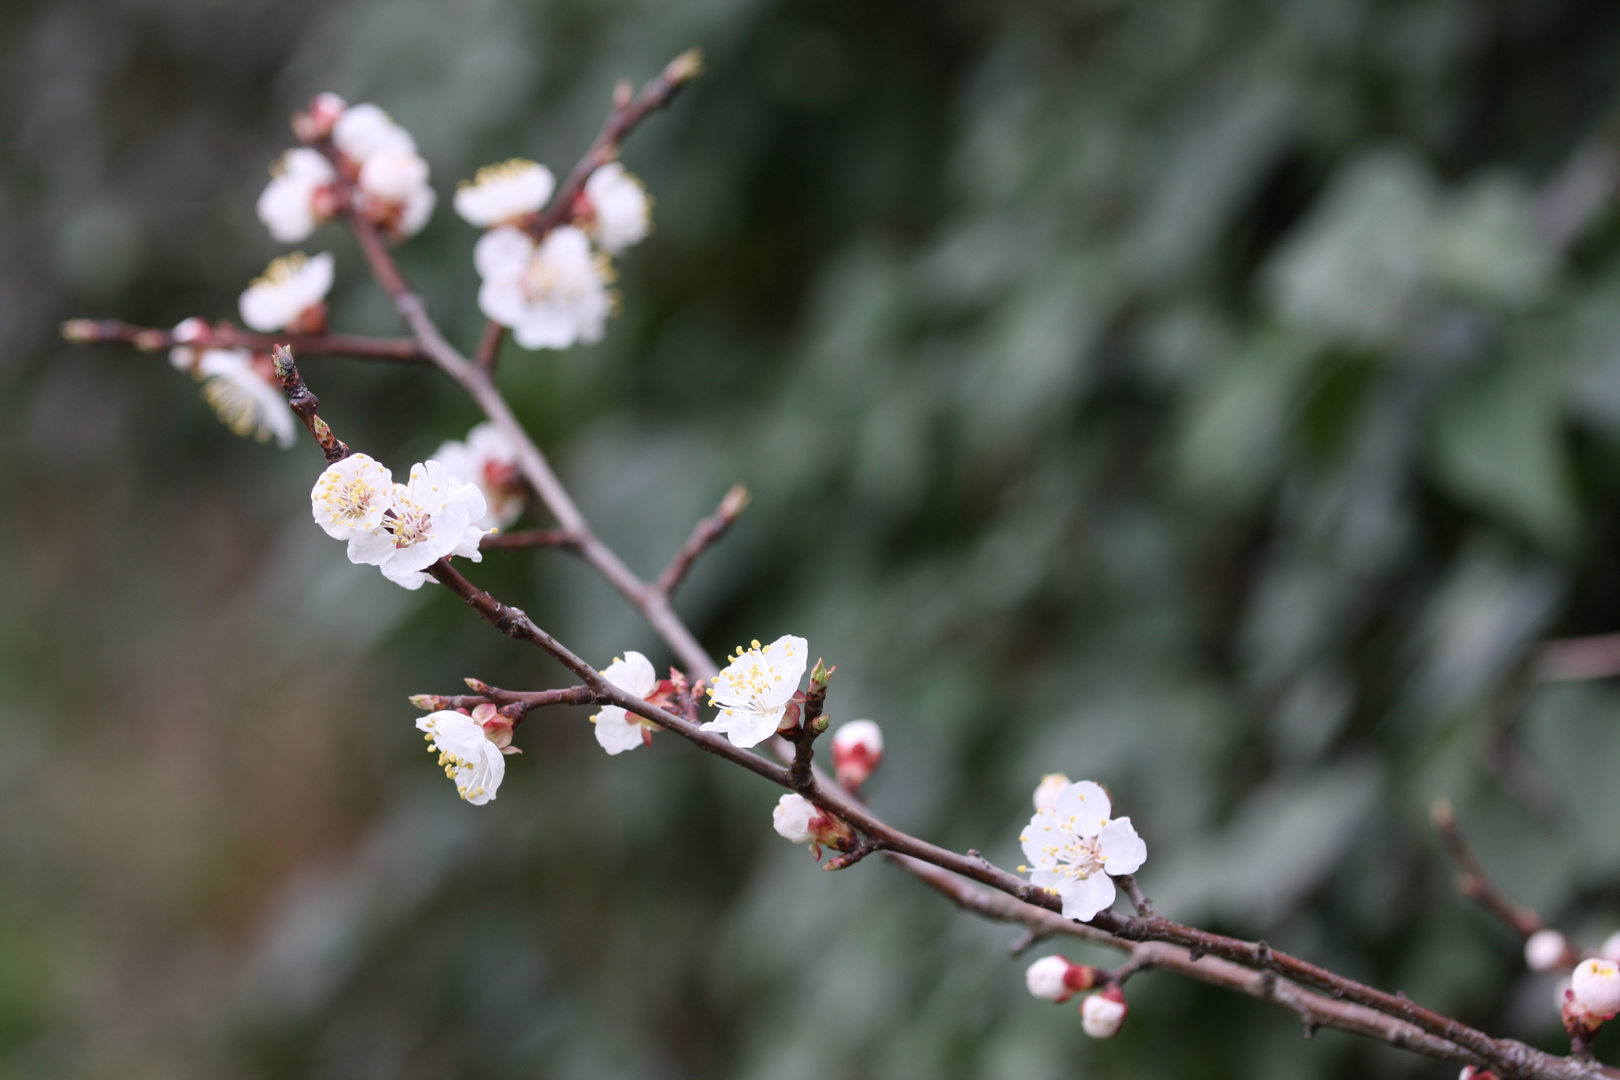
489, 346
704, 535
1474, 882
529, 538
224, 335
490, 695
305, 405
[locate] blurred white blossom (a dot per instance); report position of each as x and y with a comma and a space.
392, 177
618, 212
489, 460
290, 294
1047, 791
299, 196
242, 390
501, 194
550, 295
1102, 1013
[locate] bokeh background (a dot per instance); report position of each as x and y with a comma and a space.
1217, 399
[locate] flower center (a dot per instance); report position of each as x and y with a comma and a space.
408, 523
351, 501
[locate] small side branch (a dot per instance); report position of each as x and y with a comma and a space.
1474, 883
224, 335
306, 405
530, 538
490, 695
706, 534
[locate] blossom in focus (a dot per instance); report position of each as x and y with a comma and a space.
1074, 846
857, 752
430, 517
1047, 791
488, 459
1055, 978
290, 295
351, 496
391, 175
242, 389
616, 730
504, 193
1594, 989
550, 294
1102, 1013
753, 691
800, 821
300, 195
617, 212
469, 757
1546, 950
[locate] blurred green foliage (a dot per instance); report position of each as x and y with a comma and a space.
1214, 399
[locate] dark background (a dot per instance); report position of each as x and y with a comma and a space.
1199, 397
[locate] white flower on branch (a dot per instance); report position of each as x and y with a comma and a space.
351, 496
1102, 1013
1056, 978
426, 519
299, 197
616, 729
857, 752
185, 354
800, 821
1547, 950
290, 295
466, 752
489, 460
754, 690
1073, 847
392, 176
550, 295
617, 211
505, 193
240, 388
1048, 790
1594, 989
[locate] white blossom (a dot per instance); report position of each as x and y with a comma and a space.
1610, 949
185, 354
1594, 987
290, 287
1102, 1014
1047, 791
620, 211
1073, 847
351, 496
489, 460
1545, 950
299, 196
616, 730
427, 519
1047, 979
551, 295
500, 194
241, 393
753, 691
792, 818
468, 755
857, 752
364, 131
392, 176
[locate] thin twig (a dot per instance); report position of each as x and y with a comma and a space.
1572, 659
306, 405
224, 335
1139, 900
489, 346
704, 535
530, 538
1474, 882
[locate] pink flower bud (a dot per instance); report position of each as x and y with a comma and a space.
1594, 988
857, 752
801, 821
1474, 1072
1046, 792
1547, 950
1102, 1013
497, 728
1055, 978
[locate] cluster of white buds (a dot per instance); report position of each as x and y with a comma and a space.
1074, 846
1592, 998
857, 752
240, 386
553, 293
471, 749
374, 162
801, 821
754, 690
489, 460
1055, 978
617, 730
400, 528
290, 296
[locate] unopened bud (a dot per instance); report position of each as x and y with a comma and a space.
801, 821
497, 727
685, 67
1474, 1072
324, 110
821, 674
1594, 988
857, 752
1102, 1013
80, 331
1547, 950
623, 94
477, 686
1047, 791
1055, 978
735, 502
429, 702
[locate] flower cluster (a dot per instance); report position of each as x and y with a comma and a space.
489, 460
400, 528
1055, 978
240, 386
373, 162
1073, 847
754, 690
554, 292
